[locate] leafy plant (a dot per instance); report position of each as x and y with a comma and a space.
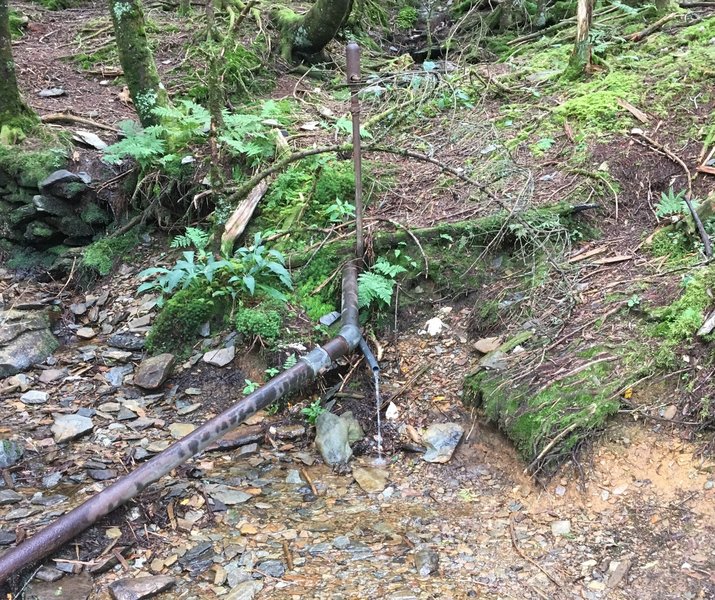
252, 269
634, 301
257, 268
250, 387
671, 204
290, 362
377, 285
406, 18
312, 411
339, 211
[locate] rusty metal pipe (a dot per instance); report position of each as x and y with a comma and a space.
306, 370
353, 72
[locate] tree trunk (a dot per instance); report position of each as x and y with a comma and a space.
305, 37
580, 61
137, 59
14, 113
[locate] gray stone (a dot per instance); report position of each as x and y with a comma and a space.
49, 574
72, 587
86, 333
355, 432
332, 439
7, 537
246, 590
228, 496
69, 427
371, 479
90, 139
220, 357
10, 497
247, 450
709, 484
126, 341
495, 361
341, 542
441, 440
115, 376
294, 477
52, 206
21, 214
51, 92
25, 340
10, 453
51, 480
34, 397
561, 528
64, 184
50, 375
142, 587
101, 474
152, 372
272, 568
426, 561
39, 232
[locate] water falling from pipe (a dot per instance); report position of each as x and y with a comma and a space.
378, 406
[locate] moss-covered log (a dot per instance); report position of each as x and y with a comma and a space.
14, 113
137, 59
305, 37
479, 231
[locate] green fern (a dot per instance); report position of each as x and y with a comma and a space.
385, 267
143, 145
671, 204
193, 237
373, 287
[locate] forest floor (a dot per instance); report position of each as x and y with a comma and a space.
630, 517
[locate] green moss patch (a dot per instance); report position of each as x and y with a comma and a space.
29, 167
546, 424
176, 329
101, 255
259, 322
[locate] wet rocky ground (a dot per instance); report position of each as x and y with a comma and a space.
262, 516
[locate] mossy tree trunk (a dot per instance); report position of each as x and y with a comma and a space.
580, 61
14, 113
137, 59
305, 37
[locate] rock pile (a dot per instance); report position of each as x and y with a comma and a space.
61, 210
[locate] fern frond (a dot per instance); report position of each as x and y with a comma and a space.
374, 287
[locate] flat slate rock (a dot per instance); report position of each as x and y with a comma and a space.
441, 440
69, 427
126, 341
220, 357
152, 372
25, 340
141, 587
371, 479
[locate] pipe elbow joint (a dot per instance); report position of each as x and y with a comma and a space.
351, 334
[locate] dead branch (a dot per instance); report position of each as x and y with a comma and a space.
238, 221
652, 28
61, 117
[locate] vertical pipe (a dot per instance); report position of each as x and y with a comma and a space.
353, 69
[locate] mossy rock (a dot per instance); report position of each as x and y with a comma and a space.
101, 255
29, 167
176, 329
